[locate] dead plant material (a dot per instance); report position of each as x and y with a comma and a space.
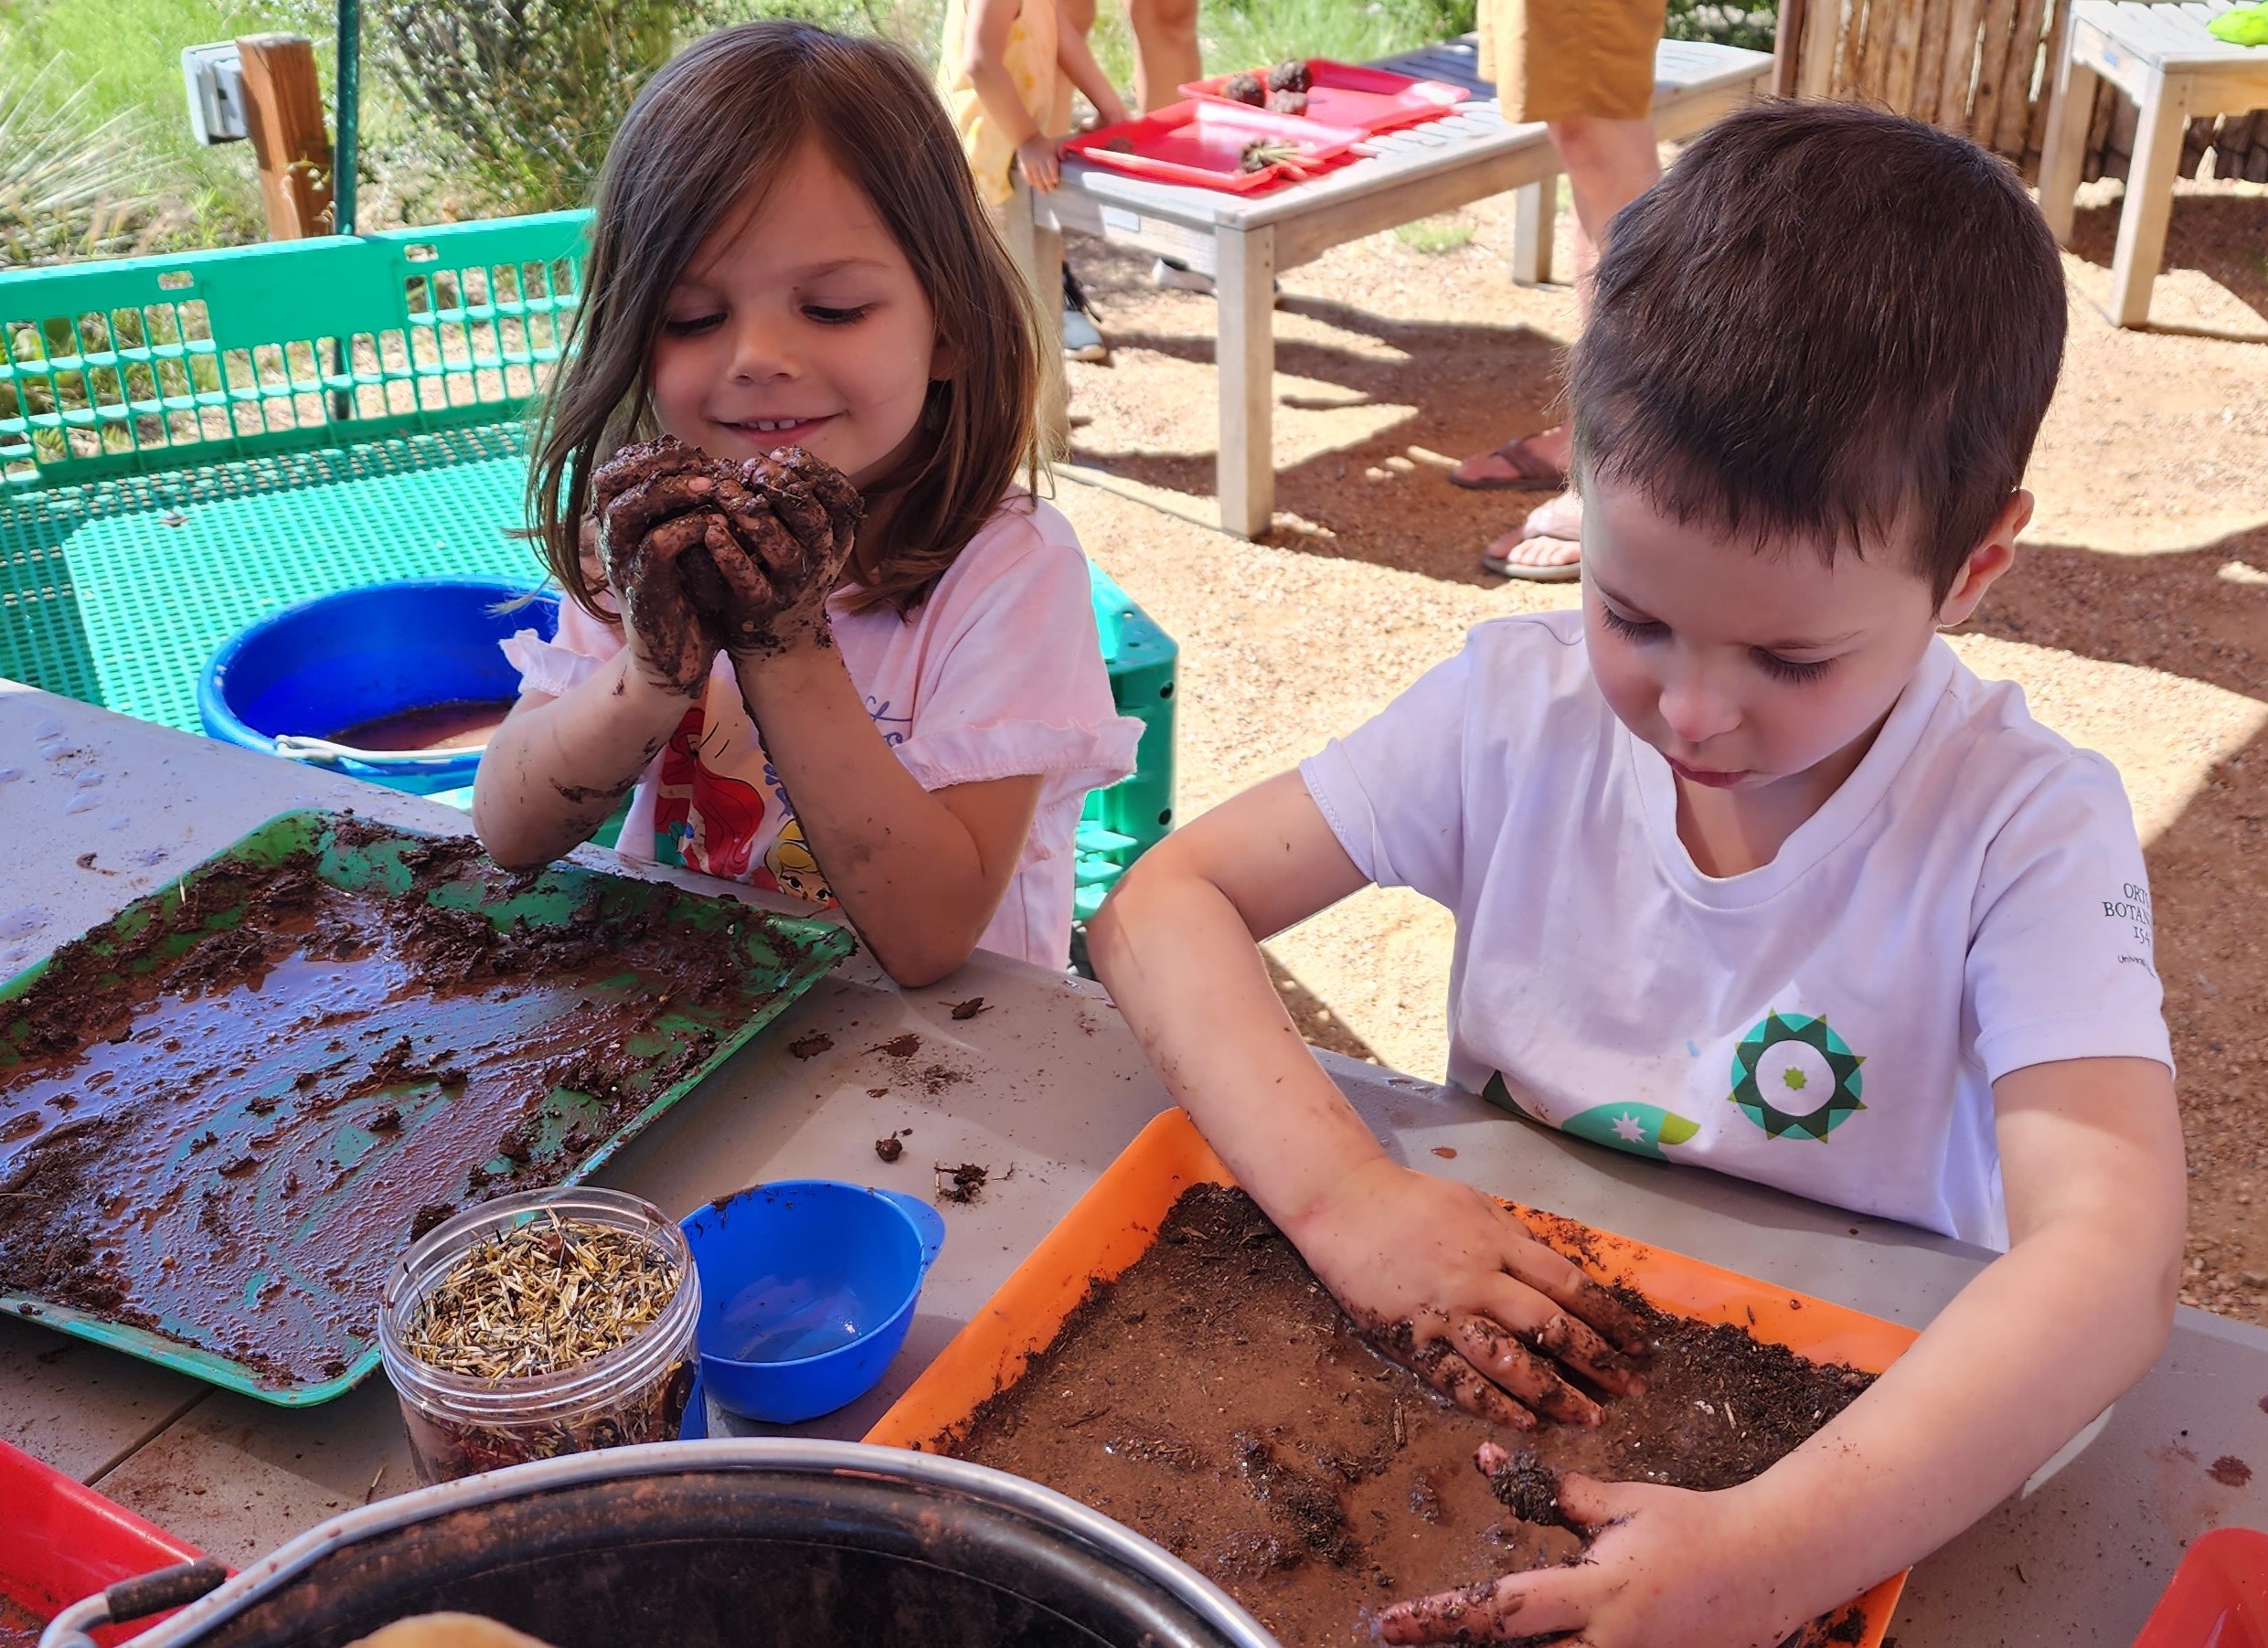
547, 1296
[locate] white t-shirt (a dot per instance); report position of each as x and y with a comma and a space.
1970, 901
997, 673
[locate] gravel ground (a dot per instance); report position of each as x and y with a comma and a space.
2138, 624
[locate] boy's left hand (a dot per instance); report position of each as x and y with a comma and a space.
1668, 1567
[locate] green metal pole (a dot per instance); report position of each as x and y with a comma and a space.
349, 111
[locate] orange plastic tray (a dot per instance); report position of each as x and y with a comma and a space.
1118, 1218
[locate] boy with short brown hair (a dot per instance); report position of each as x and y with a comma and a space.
1748, 872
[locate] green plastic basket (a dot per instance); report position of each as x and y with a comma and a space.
783, 958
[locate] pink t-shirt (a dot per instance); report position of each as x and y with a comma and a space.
997, 673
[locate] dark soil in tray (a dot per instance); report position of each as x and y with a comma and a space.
1215, 1398
233, 1147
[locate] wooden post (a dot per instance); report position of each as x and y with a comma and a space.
1787, 47
1244, 278
1534, 207
284, 107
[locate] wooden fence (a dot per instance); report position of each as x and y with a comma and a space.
1981, 68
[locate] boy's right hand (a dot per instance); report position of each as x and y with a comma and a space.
1446, 1282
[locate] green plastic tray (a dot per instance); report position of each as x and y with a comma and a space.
784, 958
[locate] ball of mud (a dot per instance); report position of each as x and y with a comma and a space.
1245, 89
1291, 75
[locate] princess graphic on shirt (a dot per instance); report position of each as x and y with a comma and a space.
711, 820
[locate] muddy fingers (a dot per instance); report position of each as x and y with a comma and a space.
1565, 1339
1467, 1387
1474, 1614
1497, 1352
1564, 1283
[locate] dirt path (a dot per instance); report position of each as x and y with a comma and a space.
2138, 627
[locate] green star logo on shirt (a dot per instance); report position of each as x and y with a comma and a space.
1792, 1056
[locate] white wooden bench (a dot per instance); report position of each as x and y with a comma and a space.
2161, 56
1244, 243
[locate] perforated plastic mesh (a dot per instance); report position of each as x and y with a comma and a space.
118, 592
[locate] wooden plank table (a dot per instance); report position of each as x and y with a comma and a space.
1244, 243
1045, 1088
2162, 57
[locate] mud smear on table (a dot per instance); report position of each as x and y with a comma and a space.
1215, 1398
231, 1148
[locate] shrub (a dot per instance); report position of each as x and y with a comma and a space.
71, 185
530, 90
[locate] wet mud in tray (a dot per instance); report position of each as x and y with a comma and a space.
225, 1114
1215, 1398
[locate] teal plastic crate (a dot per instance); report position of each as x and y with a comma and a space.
188, 444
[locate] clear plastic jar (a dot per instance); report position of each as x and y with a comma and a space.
634, 1393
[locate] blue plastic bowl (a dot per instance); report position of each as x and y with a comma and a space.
807, 1288
338, 661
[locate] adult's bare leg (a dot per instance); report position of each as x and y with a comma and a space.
1165, 54
1609, 163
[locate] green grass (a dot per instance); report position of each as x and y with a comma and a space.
128, 54
1434, 235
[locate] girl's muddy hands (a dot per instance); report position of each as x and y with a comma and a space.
1452, 1286
815, 513
704, 555
1665, 1567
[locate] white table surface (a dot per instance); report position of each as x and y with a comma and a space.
1054, 1088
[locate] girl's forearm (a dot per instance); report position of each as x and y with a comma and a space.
984, 53
558, 767
1076, 59
1187, 972
915, 880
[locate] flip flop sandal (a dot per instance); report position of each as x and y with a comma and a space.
1531, 473
1566, 572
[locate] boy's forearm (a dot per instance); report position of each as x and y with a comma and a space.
2028, 1354
556, 769
1189, 976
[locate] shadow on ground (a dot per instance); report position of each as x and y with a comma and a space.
2222, 237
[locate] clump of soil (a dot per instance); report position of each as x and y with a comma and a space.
964, 1184
1291, 75
1287, 103
225, 1127
1244, 89
1217, 1399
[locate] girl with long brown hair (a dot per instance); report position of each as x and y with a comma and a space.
787, 251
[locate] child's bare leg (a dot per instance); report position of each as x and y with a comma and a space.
1166, 55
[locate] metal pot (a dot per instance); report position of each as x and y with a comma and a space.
741, 1544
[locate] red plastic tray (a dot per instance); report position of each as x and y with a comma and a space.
60, 1541
1363, 99
1198, 142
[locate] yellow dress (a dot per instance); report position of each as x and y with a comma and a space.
1039, 83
